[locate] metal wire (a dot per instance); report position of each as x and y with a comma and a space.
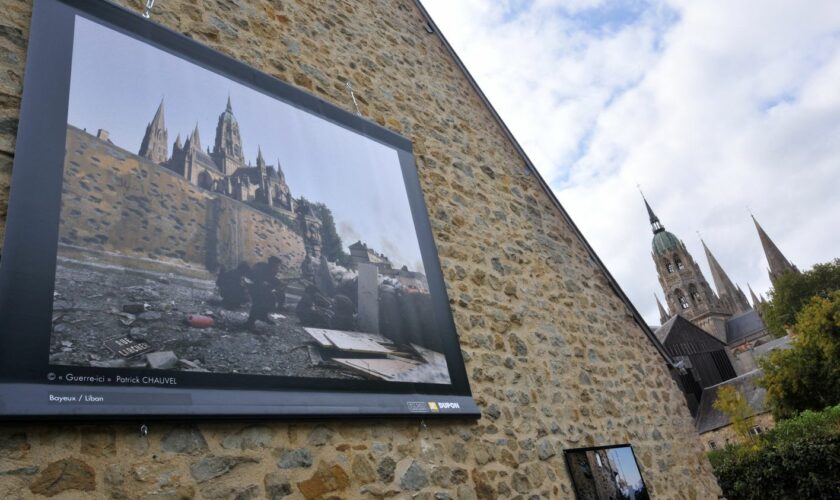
350, 89
147, 11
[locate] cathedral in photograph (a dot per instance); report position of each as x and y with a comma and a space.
222, 169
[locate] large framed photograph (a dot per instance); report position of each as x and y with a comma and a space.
606, 473
189, 236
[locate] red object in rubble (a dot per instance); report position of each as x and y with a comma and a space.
199, 321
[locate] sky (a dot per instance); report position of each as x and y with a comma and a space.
714, 108
117, 84
625, 463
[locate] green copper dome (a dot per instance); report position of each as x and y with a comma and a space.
663, 241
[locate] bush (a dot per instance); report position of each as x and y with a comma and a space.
792, 291
800, 458
806, 376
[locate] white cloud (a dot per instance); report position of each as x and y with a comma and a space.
712, 106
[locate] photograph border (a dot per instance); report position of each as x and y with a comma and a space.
27, 273
567, 451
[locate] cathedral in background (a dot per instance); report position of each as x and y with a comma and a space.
714, 336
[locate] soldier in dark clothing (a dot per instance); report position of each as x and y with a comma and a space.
232, 287
267, 292
314, 309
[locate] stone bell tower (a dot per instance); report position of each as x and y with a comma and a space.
227, 148
687, 292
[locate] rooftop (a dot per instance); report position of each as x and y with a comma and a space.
739, 328
709, 419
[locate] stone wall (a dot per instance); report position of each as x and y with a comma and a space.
126, 208
726, 435
553, 356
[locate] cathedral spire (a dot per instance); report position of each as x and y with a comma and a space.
655, 225
195, 139
260, 159
229, 108
727, 291
778, 264
154, 145
686, 290
663, 314
753, 297
158, 119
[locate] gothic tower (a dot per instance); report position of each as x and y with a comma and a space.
778, 264
227, 150
731, 296
264, 190
191, 151
687, 292
154, 145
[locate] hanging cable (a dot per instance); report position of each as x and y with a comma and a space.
353, 96
147, 11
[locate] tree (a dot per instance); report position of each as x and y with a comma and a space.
331, 244
796, 459
807, 376
734, 405
791, 291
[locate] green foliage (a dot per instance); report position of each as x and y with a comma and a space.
807, 376
800, 458
792, 291
331, 244
807, 425
734, 405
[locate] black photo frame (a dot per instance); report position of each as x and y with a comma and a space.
30, 387
592, 471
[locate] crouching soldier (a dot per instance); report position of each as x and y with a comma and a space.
232, 286
314, 309
267, 292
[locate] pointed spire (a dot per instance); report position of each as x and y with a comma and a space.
229, 108
663, 315
195, 140
755, 300
158, 119
776, 261
260, 159
656, 226
154, 145
725, 288
177, 144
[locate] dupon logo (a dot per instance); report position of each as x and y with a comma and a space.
443, 405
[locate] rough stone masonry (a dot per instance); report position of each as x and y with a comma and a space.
554, 359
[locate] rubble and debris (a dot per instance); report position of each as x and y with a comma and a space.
136, 308
350, 341
110, 363
165, 360
376, 357
149, 316
127, 318
164, 340
200, 321
191, 366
